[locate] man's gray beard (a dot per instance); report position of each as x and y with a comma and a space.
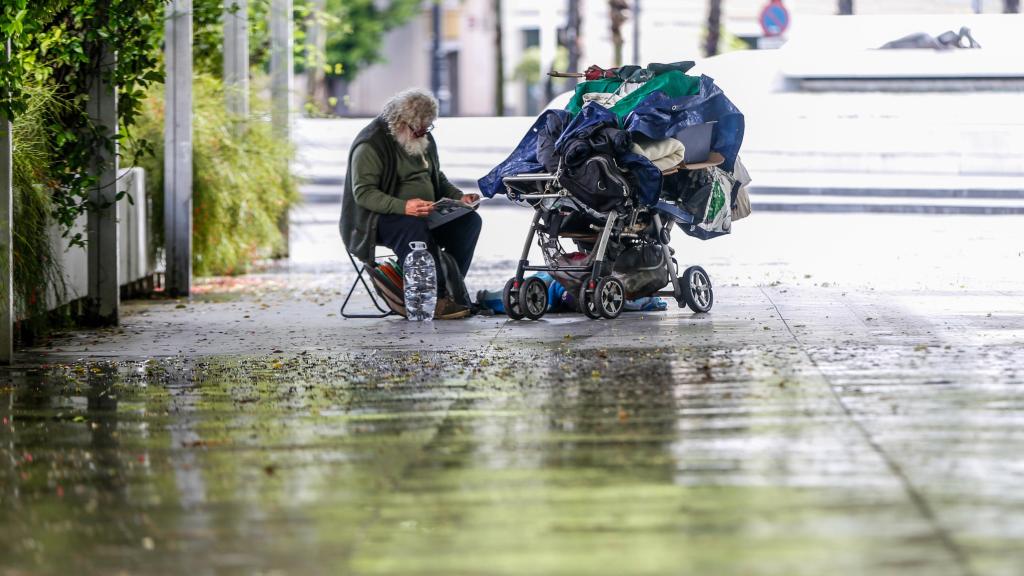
413, 146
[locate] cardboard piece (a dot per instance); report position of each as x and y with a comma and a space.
714, 159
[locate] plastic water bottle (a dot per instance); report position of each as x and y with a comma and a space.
420, 283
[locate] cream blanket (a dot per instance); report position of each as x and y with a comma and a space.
662, 153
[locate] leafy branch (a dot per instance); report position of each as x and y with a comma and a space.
59, 45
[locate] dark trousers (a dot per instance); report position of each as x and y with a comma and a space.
457, 238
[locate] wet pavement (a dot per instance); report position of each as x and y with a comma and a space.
820, 420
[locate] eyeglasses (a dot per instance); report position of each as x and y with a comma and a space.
423, 131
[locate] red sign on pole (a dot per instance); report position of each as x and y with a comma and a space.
774, 18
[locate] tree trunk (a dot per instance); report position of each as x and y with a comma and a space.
616, 18
636, 32
499, 62
845, 7
1011, 6
572, 38
714, 27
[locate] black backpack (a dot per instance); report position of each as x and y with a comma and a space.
598, 182
448, 272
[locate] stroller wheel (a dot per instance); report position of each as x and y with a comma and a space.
586, 300
610, 296
533, 298
510, 299
697, 291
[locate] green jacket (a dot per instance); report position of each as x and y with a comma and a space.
359, 224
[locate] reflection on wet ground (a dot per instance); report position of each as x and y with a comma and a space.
553, 458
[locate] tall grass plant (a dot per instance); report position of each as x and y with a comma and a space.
241, 181
38, 278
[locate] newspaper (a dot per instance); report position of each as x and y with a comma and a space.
446, 210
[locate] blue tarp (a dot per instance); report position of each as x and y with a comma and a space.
657, 116
522, 160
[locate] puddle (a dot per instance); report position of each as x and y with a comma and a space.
544, 458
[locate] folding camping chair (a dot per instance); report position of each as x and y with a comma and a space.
360, 268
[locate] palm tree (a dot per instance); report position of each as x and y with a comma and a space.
617, 17
714, 27
845, 7
572, 38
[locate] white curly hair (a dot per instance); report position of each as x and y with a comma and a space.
413, 109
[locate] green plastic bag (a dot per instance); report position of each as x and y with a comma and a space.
673, 84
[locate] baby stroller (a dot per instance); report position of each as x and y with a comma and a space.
635, 153
621, 249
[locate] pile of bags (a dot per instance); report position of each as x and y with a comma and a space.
634, 118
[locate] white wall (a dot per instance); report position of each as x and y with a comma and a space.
134, 238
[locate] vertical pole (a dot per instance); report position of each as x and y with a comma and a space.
178, 148
236, 57
281, 66
573, 38
6, 236
435, 49
103, 246
714, 27
499, 61
281, 82
316, 44
438, 64
616, 18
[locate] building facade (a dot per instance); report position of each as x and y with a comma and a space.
669, 30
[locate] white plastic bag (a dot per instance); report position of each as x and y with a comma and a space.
716, 217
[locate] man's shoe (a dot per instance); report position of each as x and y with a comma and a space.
447, 309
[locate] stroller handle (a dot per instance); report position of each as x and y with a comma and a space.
541, 177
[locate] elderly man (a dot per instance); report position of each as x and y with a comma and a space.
392, 182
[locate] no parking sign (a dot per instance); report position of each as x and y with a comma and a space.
774, 18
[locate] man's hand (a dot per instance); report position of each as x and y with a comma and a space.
470, 199
418, 208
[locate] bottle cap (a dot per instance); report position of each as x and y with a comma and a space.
418, 245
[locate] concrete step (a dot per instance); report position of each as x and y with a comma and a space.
773, 202
886, 155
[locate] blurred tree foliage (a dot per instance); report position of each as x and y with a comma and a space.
208, 34
528, 70
354, 33
354, 42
